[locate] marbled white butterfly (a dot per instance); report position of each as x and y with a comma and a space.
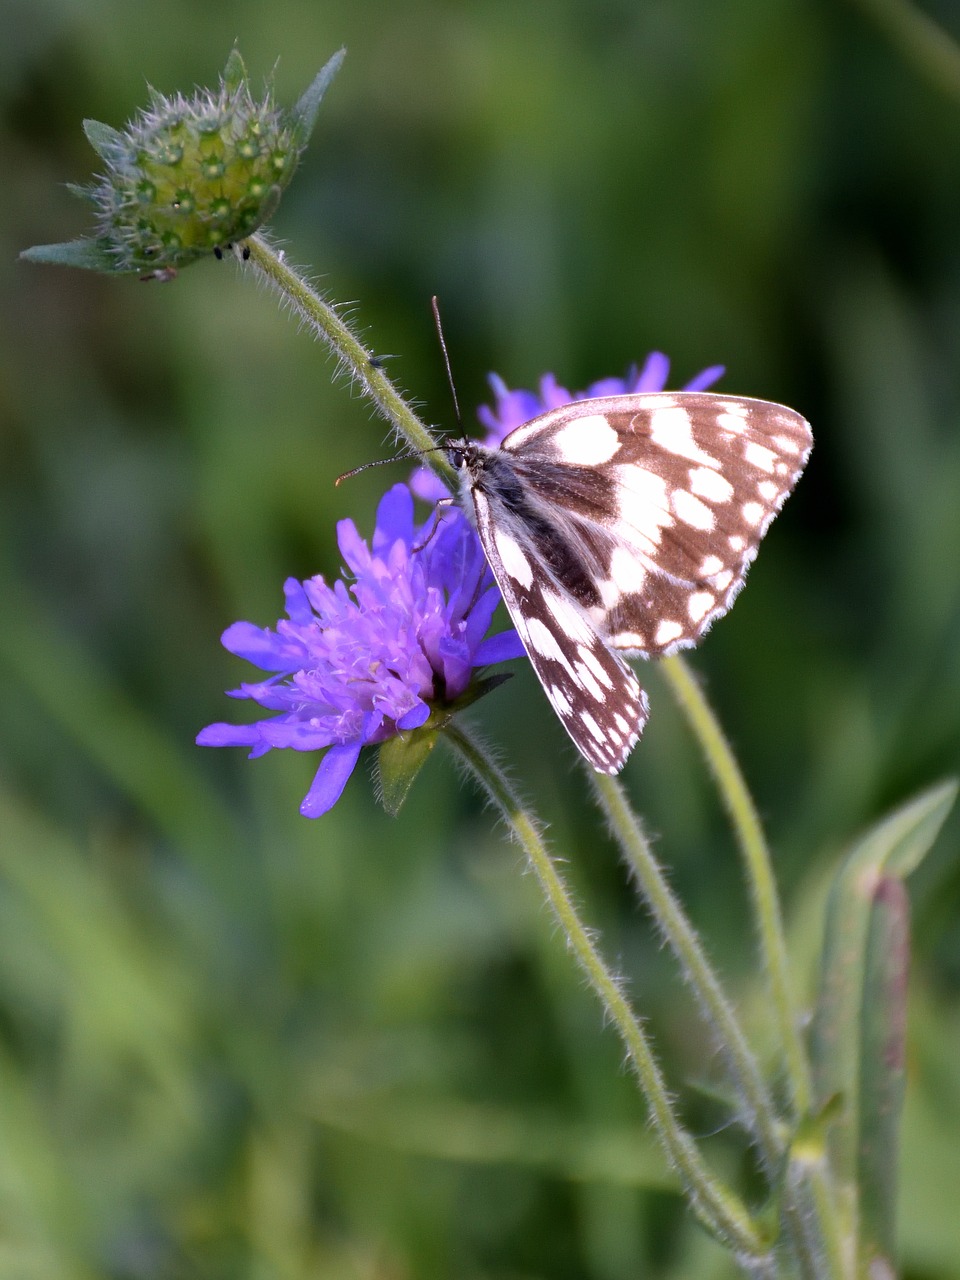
625, 523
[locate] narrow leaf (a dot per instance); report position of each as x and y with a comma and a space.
844, 1027
883, 1032
303, 116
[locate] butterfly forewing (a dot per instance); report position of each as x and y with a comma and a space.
626, 522
669, 496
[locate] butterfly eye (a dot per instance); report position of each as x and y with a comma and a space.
456, 457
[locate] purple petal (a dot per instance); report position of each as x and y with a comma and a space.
298, 605
653, 376
282, 732
428, 486
352, 546
606, 387
261, 646
481, 615
394, 519
552, 394
706, 379
330, 779
415, 717
502, 647
228, 735
267, 692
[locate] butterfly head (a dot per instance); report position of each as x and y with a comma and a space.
466, 456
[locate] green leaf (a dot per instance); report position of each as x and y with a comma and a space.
235, 71
106, 141
399, 760
88, 254
883, 1035
303, 116
858, 1017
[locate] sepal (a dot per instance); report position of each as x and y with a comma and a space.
400, 758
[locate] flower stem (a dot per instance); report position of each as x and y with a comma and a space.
759, 871
326, 324
757, 1107
717, 1206
921, 41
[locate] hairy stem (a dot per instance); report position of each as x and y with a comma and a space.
759, 871
717, 1206
327, 325
755, 1101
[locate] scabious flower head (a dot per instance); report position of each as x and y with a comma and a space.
188, 175
356, 665
513, 408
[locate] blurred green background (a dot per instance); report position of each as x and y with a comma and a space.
237, 1043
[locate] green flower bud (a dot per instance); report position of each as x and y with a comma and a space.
189, 176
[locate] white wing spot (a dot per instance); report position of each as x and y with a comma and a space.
622, 723
710, 565
759, 456
629, 640
513, 558
787, 444
671, 428
700, 604
589, 681
752, 512
667, 632
643, 505
545, 642
768, 490
559, 699
737, 542
587, 441
568, 617
710, 485
589, 658
733, 420
722, 580
591, 726
692, 511
626, 573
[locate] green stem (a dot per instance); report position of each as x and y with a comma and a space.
759, 871
810, 1211
921, 41
365, 371
718, 1207
670, 918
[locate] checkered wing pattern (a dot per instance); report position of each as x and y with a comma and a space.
626, 523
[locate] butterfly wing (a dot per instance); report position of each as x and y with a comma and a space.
595, 694
652, 506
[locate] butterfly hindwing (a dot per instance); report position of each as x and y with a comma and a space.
595, 694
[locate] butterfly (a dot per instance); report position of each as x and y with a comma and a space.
625, 524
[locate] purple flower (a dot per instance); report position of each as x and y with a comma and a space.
513, 408
355, 665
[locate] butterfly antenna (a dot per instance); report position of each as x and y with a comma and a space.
435, 305
382, 462
365, 466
